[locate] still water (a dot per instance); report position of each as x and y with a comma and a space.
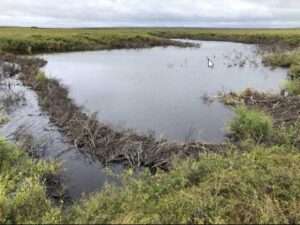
80, 173
162, 90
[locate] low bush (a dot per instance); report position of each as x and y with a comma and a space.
251, 124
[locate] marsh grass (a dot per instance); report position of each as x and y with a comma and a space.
278, 38
36, 40
290, 60
23, 197
249, 184
257, 186
292, 86
251, 124
287, 135
294, 71
282, 60
32, 41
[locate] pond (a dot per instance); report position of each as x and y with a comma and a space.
162, 90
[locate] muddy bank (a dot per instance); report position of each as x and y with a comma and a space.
87, 133
283, 109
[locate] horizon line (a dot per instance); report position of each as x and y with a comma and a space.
136, 27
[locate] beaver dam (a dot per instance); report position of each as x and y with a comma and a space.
167, 92
150, 104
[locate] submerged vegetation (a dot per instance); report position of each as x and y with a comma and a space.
256, 179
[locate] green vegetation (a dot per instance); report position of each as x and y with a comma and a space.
36, 40
3, 118
291, 60
285, 59
23, 197
292, 86
251, 124
257, 181
287, 135
288, 37
260, 185
294, 71
41, 80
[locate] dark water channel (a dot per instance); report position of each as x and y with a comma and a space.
80, 173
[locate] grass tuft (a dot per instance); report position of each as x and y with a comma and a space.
251, 124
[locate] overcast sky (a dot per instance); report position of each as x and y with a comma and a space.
204, 13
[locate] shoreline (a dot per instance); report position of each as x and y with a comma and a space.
100, 140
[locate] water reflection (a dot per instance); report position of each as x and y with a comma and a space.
162, 89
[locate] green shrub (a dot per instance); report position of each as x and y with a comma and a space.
251, 124
294, 71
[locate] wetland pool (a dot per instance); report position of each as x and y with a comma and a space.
162, 90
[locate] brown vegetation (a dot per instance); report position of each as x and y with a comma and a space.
281, 108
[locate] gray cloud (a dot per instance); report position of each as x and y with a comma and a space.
77, 13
